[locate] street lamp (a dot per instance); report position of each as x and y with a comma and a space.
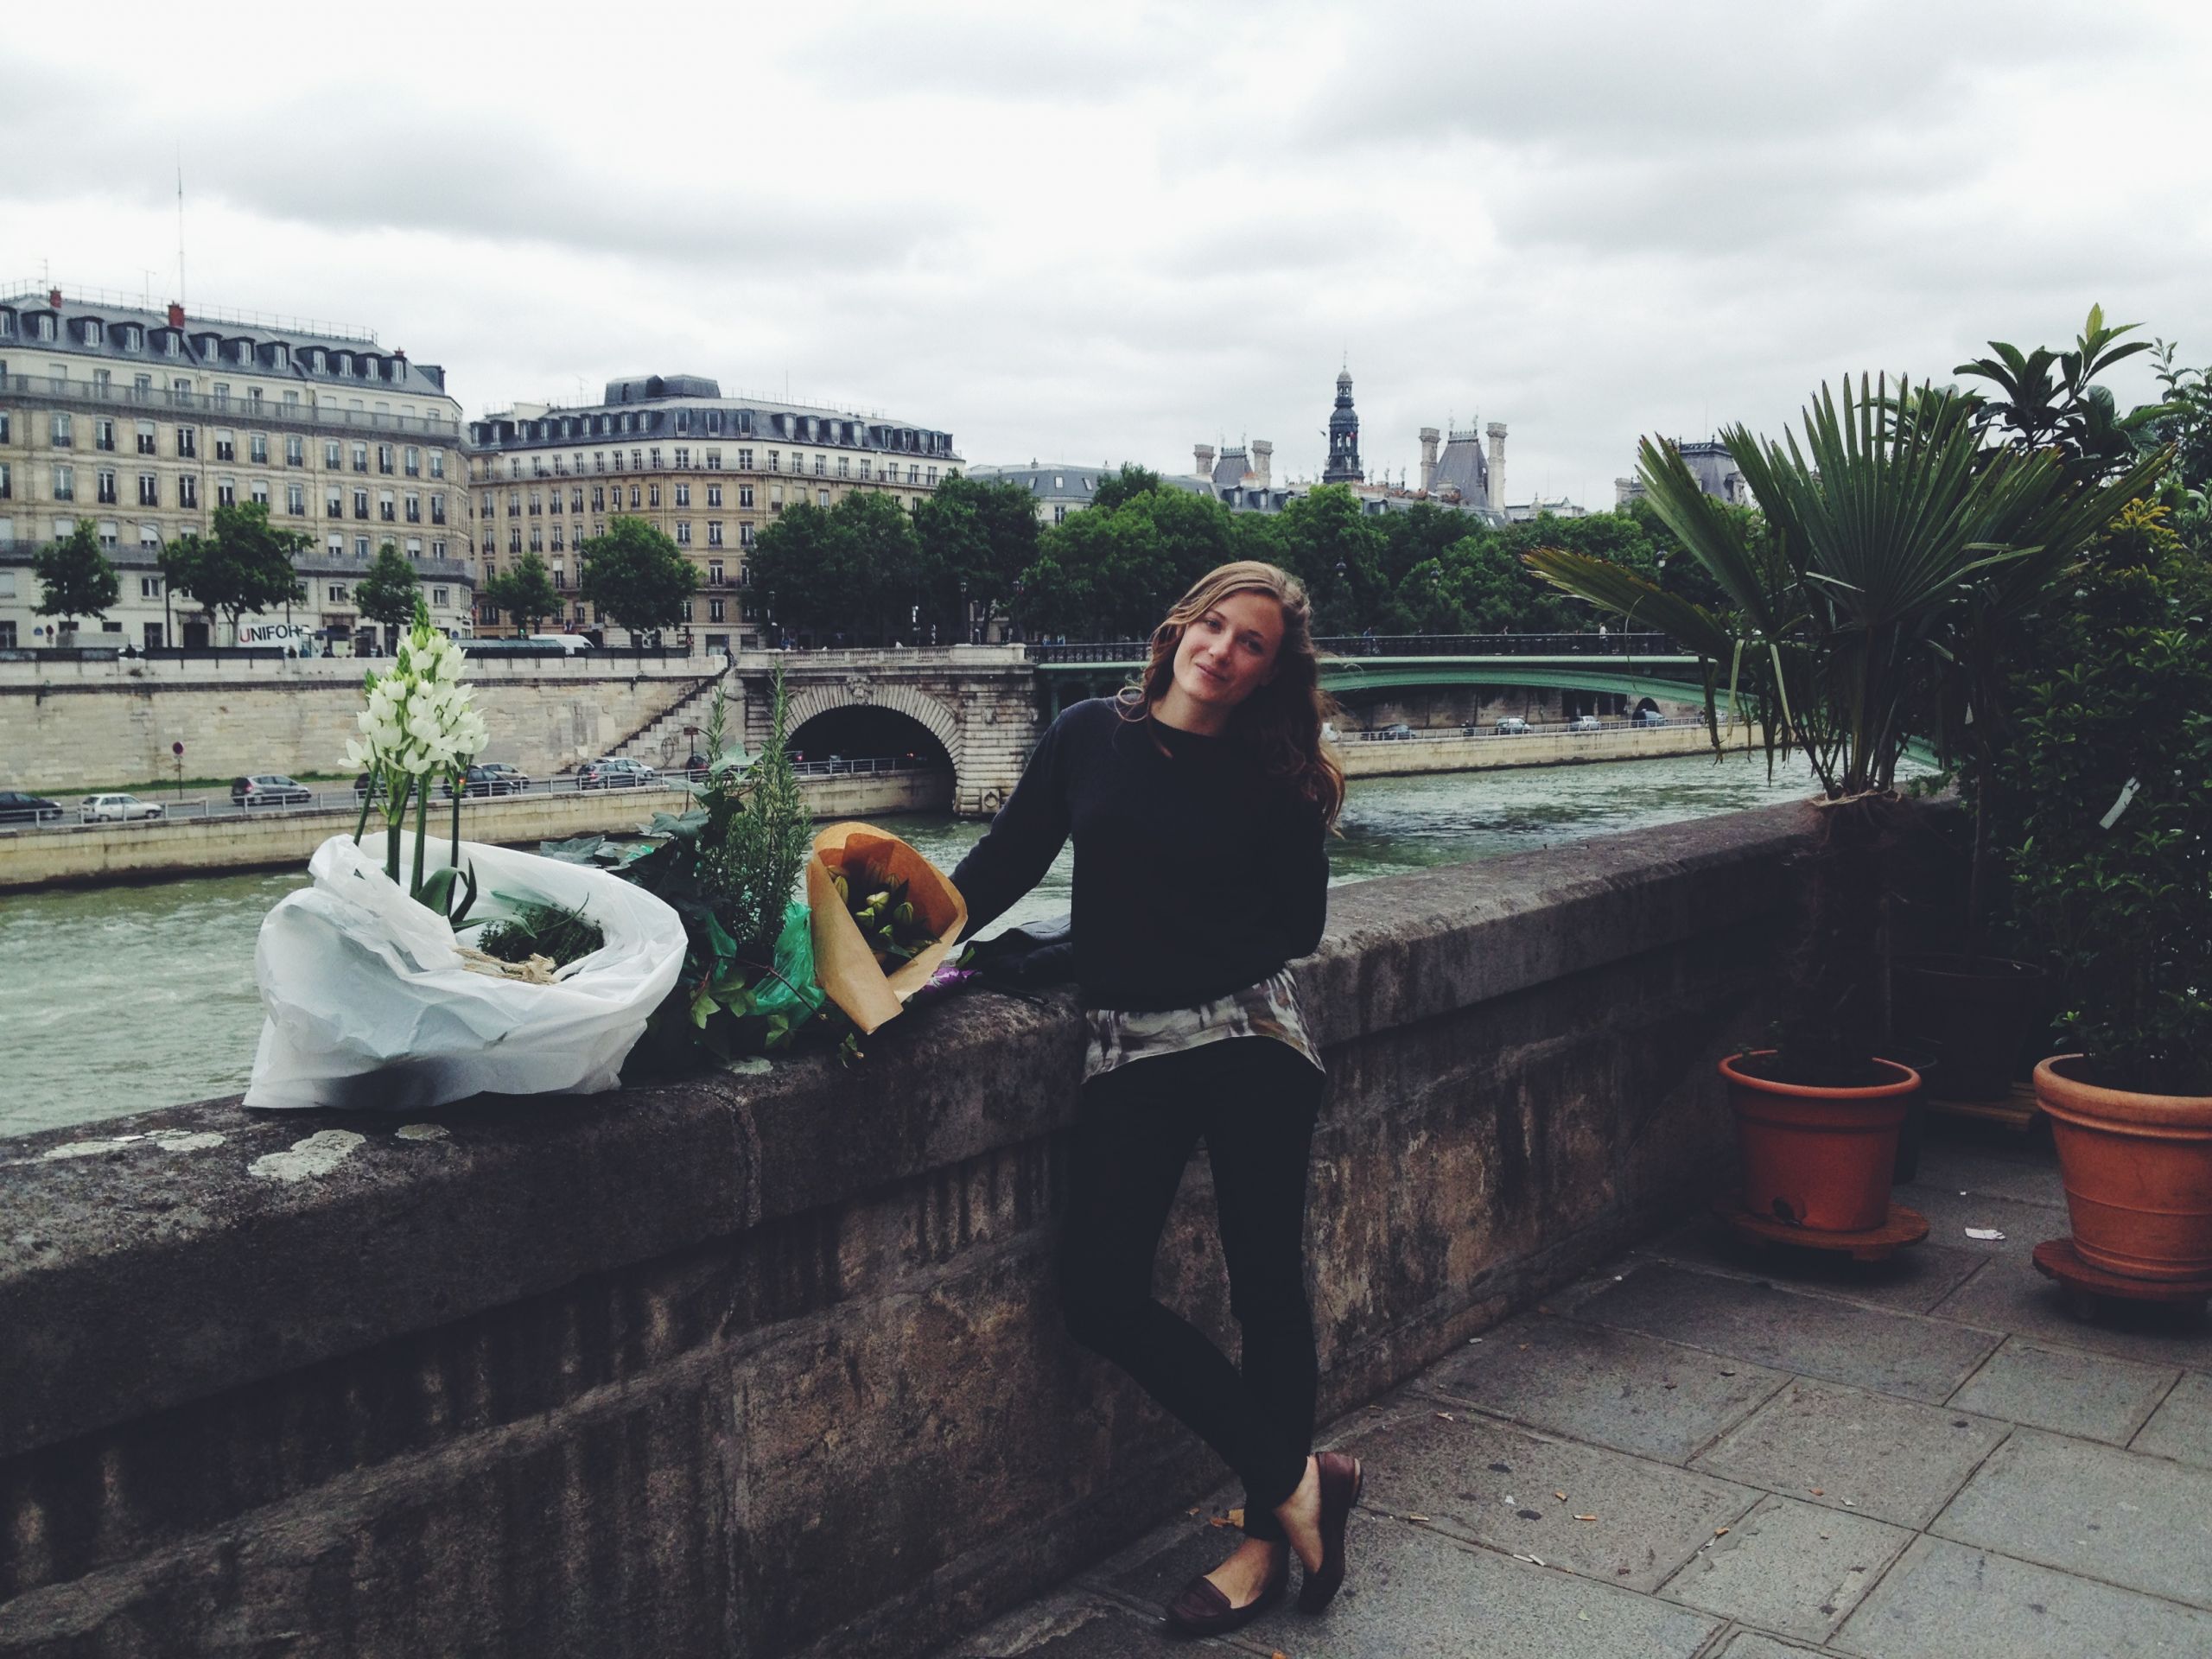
967, 616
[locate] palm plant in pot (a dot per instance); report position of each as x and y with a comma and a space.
2113, 763
1832, 641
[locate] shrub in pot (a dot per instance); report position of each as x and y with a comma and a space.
1875, 532
2113, 767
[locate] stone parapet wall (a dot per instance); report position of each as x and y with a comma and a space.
1370, 758
69, 733
770, 1361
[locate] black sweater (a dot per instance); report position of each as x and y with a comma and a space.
1195, 873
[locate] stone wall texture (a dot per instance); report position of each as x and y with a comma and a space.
68, 732
770, 1361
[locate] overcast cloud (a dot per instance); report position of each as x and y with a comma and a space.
1113, 233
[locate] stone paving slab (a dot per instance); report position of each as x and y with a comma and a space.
2182, 1427
2131, 1519
1415, 1594
2066, 1391
1613, 1388
2021, 1301
1846, 1449
1946, 1601
1083, 1627
1915, 1279
1999, 1166
1813, 1336
1750, 1644
1950, 1212
1492, 1483
1789, 1568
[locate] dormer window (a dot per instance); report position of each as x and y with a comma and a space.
7, 325
134, 337
43, 326
281, 356
172, 342
315, 360
94, 331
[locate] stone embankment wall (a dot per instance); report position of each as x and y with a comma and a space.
88, 855
1369, 758
770, 1361
73, 726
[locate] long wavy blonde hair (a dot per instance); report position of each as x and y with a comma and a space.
1283, 719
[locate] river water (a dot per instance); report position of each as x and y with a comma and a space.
117, 999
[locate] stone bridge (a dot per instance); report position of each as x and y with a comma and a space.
979, 703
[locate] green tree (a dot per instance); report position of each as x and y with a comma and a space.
1327, 540
386, 592
1119, 487
853, 568
1113, 575
76, 577
975, 537
246, 565
636, 575
525, 589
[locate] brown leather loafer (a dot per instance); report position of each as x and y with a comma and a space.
1341, 1479
1200, 1610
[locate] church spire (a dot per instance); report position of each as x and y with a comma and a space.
1343, 437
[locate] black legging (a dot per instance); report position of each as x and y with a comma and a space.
1254, 1099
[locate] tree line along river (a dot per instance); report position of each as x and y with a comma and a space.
122, 998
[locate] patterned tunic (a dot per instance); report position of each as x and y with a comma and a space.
1270, 1009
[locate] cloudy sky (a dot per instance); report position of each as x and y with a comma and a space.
1111, 231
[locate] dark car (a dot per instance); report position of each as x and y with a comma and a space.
269, 789
1513, 726
1400, 733
514, 775
371, 781
1649, 717
482, 780
16, 807
616, 771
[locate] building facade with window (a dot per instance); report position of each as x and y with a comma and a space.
1057, 487
710, 471
143, 422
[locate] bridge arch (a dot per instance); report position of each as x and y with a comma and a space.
808, 702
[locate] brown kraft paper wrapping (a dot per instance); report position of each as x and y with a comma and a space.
843, 961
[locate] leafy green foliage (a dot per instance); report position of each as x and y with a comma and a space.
636, 574
245, 565
2118, 703
387, 591
525, 590
1119, 487
535, 927
2045, 399
853, 568
975, 539
76, 577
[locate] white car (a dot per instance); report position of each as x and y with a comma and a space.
116, 809
1585, 723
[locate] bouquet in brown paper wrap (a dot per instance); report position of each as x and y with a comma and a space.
884, 919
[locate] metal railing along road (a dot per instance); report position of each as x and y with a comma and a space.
344, 800
1404, 644
1605, 728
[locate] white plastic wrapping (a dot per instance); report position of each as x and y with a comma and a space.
369, 1006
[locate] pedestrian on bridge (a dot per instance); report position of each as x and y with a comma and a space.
1199, 800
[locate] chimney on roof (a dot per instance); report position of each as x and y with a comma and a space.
176, 314
1204, 452
1497, 430
54, 298
1429, 435
401, 355
1263, 461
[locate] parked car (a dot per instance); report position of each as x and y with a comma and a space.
1513, 726
116, 809
369, 781
1585, 723
16, 807
482, 780
616, 771
269, 789
1398, 733
1649, 717
514, 775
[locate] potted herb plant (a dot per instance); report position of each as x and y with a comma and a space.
2113, 763
1873, 531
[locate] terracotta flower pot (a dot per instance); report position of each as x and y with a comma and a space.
2138, 1169
1817, 1157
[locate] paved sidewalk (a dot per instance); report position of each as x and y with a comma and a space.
1702, 1453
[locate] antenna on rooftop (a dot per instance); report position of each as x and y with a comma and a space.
180, 225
